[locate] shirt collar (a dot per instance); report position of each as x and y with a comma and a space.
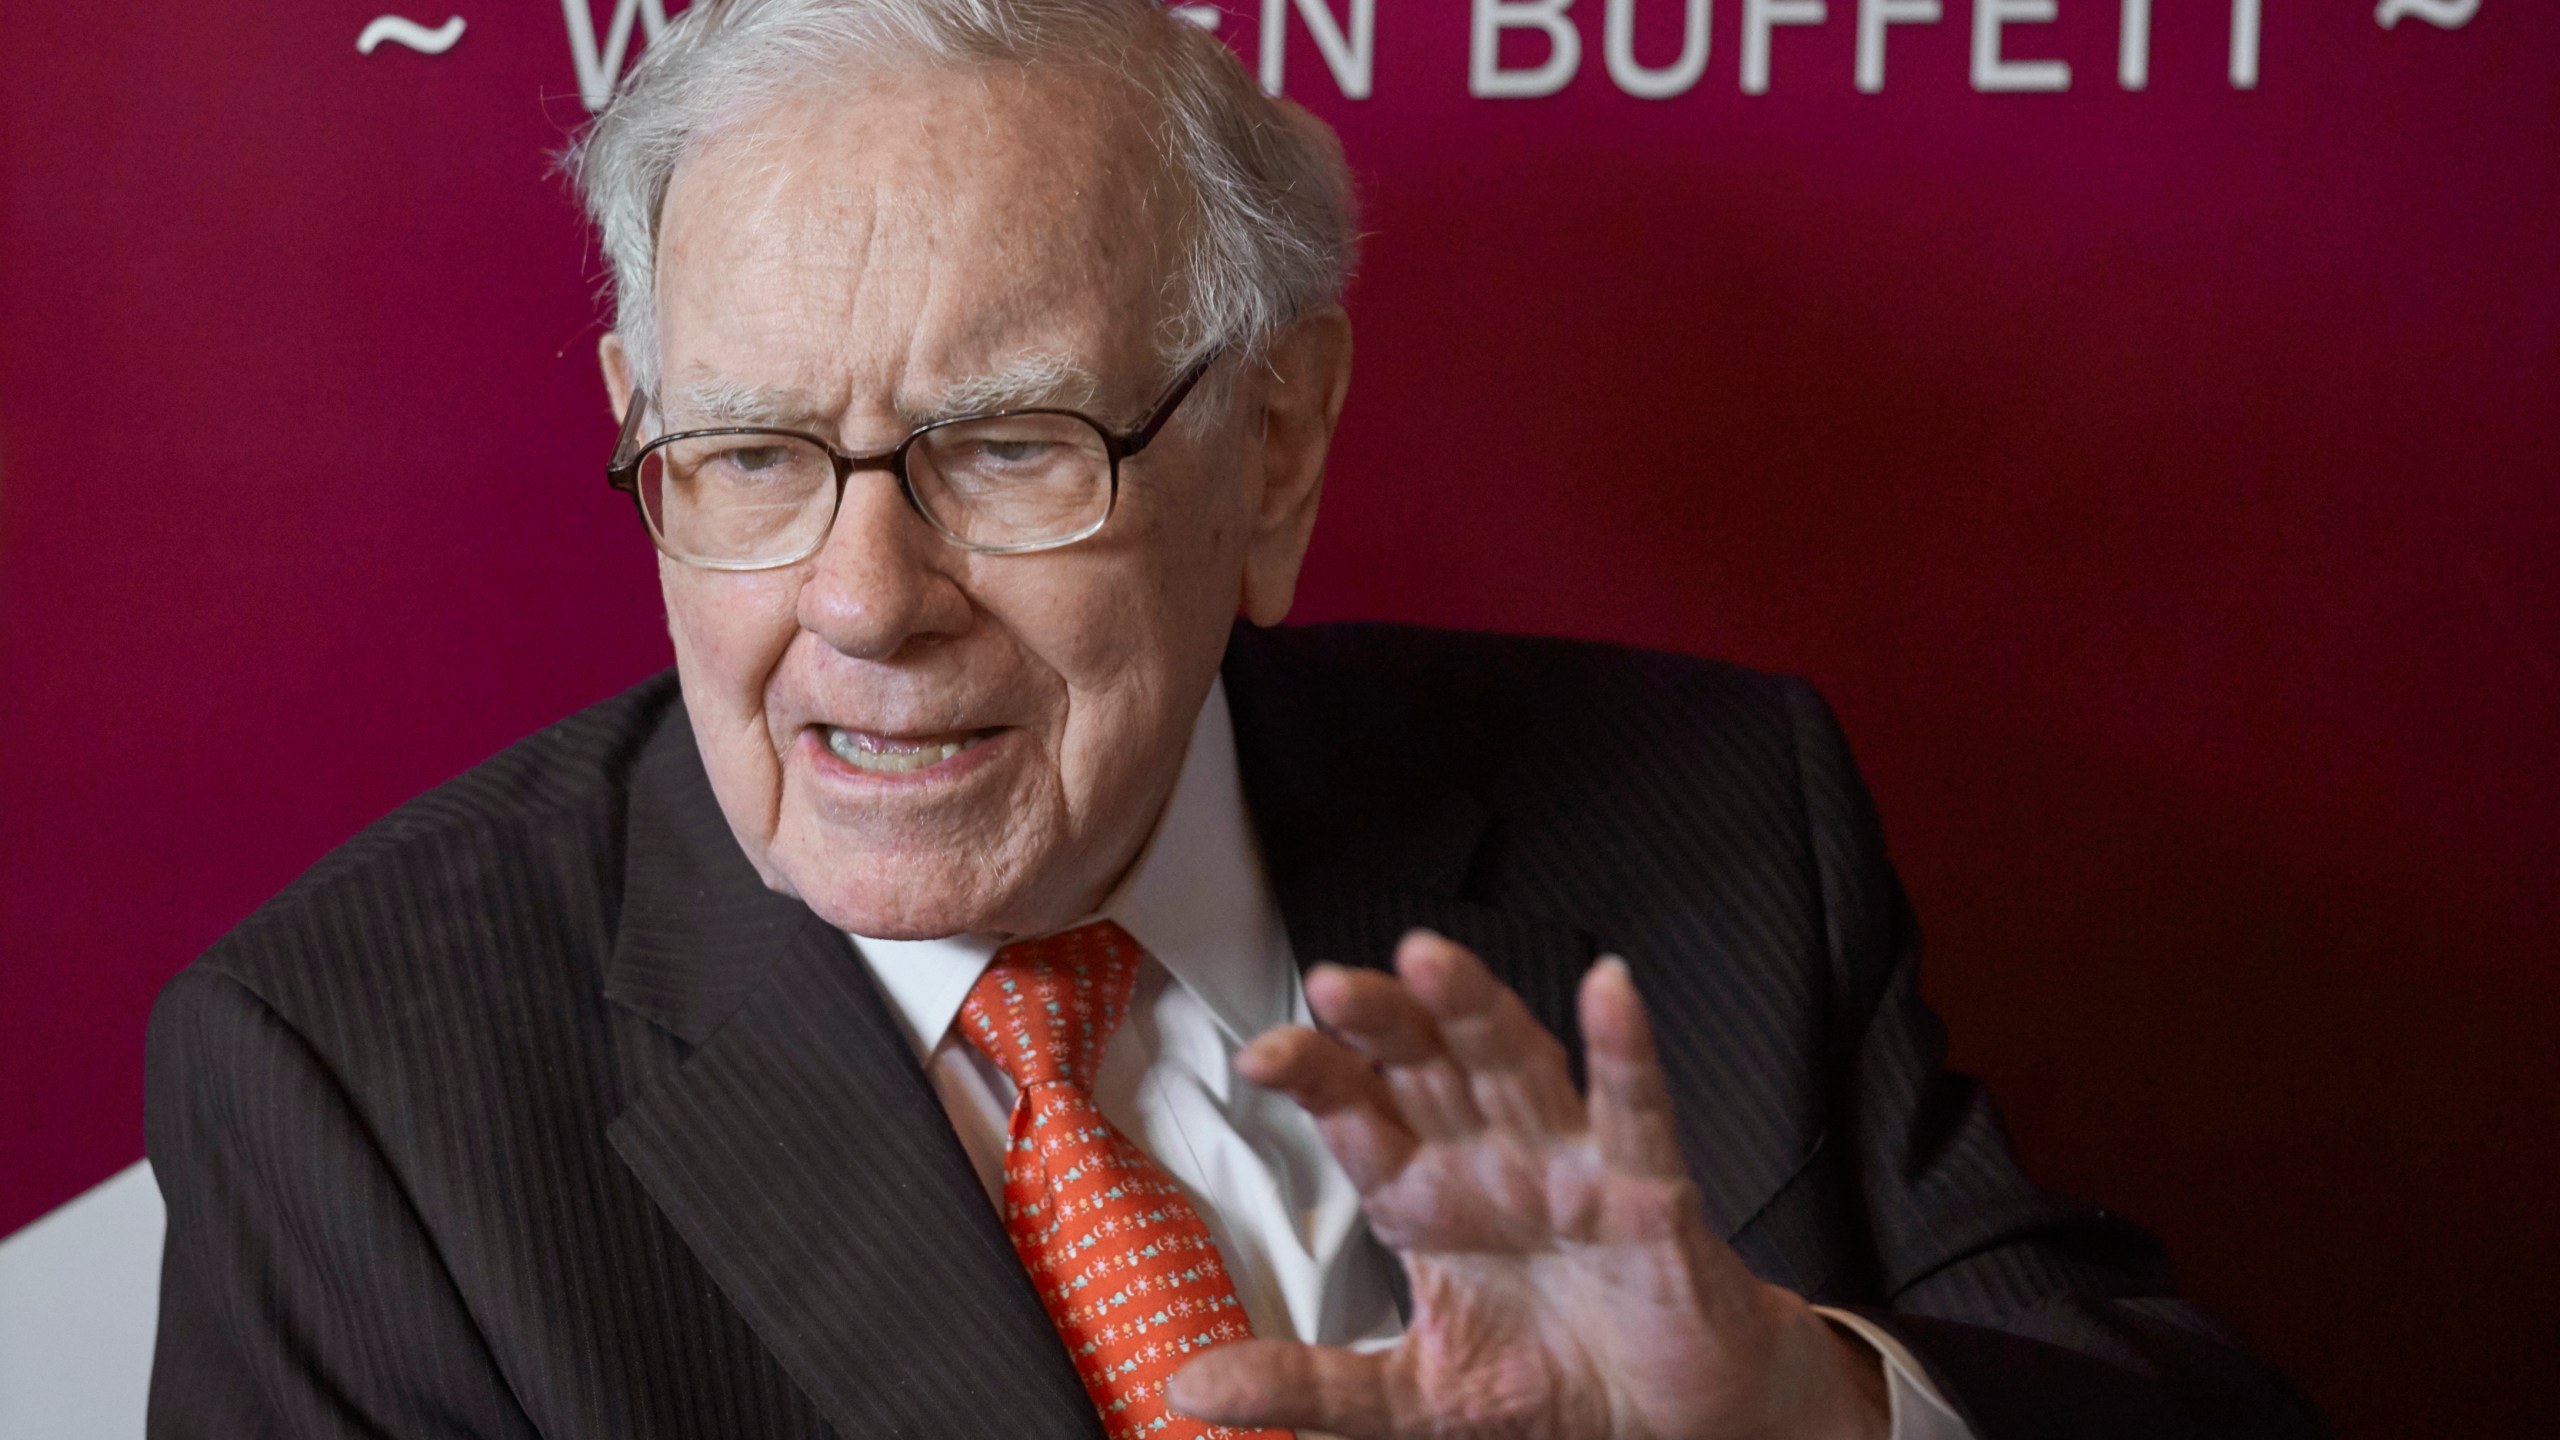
1197, 899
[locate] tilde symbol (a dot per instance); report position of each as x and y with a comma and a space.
400, 30
2443, 14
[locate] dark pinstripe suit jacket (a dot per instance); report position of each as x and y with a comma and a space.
531, 1112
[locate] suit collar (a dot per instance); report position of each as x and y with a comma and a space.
1343, 778
698, 929
1370, 828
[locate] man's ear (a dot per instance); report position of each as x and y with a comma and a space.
615, 359
1301, 400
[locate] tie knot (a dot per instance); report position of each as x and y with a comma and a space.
1045, 1008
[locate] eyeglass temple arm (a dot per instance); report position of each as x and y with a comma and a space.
1137, 439
617, 472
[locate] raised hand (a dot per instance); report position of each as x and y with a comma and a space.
1566, 1285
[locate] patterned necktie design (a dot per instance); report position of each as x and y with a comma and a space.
1122, 1262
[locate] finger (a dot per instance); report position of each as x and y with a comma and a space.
1374, 1014
1379, 1017
1630, 1103
1281, 1384
1353, 1106
1515, 1070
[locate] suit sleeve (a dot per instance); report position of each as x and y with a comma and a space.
300, 1294
2035, 1315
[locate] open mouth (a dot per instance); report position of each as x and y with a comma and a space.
896, 755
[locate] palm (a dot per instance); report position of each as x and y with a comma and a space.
1521, 1290
1565, 1283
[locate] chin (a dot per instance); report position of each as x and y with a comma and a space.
912, 897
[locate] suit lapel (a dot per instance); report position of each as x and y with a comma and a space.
1366, 834
803, 1156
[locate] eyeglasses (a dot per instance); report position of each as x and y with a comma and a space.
1005, 483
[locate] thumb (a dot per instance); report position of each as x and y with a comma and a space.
1281, 1384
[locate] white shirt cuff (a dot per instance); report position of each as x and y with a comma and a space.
1919, 1412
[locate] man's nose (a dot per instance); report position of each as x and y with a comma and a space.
885, 579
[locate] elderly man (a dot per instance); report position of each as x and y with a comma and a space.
1000, 987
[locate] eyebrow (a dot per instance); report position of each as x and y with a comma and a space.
710, 400
1037, 379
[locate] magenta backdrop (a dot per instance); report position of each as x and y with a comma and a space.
2160, 483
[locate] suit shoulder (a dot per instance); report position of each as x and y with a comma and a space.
1475, 681
517, 856
1617, 780
1388, 648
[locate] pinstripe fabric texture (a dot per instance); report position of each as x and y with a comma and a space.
531, 1112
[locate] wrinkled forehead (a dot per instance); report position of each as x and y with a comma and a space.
880, 236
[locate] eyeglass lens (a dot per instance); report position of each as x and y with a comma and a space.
1000, 482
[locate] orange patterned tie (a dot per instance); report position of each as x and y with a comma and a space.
1127, 1271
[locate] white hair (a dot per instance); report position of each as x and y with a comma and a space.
1269, 236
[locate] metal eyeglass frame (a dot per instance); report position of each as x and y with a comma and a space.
628, 455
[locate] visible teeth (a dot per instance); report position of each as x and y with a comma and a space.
863, 752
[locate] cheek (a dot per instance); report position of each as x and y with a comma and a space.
730, 634
1135, 639
730, 631
1186, 536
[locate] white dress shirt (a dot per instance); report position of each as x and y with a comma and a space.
1285, 1217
